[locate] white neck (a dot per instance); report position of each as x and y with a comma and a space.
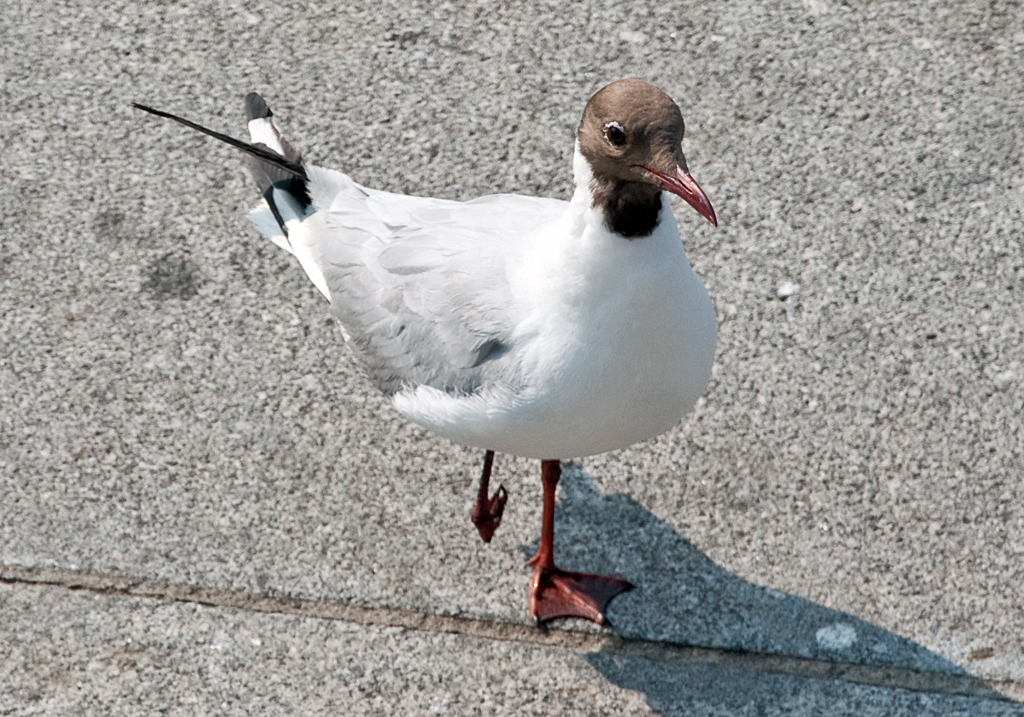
583, 177
583, 197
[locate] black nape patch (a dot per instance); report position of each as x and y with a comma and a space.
173, 277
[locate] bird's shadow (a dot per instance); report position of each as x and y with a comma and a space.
683, 597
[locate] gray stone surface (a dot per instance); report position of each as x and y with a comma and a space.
84, 654
176, 403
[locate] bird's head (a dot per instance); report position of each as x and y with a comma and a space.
631, 134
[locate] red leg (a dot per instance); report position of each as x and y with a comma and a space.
486, 515
560, 593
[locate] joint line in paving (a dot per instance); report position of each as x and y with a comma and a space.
652, 650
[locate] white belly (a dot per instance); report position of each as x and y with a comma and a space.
611, 363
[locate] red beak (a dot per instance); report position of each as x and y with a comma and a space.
685, 186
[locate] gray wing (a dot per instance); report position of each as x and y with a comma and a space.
420, 285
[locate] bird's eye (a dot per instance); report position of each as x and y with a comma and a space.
614, 133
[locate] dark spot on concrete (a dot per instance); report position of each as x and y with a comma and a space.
109, 224
982, 654
403, 39
173, 276
254, 263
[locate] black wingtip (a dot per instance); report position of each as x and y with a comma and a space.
152, 111
261, 152
256, 107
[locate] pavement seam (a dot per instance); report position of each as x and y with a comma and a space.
613, 645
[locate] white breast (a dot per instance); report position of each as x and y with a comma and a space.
619, 337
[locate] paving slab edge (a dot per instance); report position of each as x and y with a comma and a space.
607, 643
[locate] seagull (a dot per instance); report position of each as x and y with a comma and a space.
515, 324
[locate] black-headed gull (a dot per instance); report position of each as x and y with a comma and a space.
525, 325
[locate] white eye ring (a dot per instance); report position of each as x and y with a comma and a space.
618, 138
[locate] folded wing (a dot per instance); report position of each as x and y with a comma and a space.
421, 286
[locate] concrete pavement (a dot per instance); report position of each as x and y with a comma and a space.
84, 653
177, 406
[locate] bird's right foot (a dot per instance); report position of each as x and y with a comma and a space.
558, 593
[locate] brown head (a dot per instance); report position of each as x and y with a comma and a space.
631, 134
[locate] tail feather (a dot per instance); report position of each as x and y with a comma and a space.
267, 224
